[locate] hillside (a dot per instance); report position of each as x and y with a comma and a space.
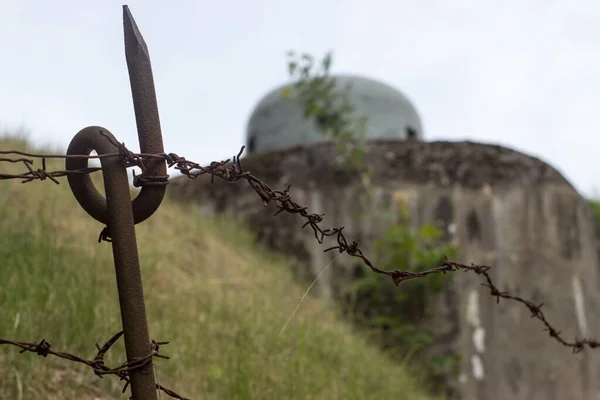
219, 300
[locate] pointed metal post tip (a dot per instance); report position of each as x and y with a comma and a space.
142, 86
146, 112
133, 36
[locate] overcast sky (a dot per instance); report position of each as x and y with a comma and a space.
525, 74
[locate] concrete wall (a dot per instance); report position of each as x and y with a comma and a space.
499, 207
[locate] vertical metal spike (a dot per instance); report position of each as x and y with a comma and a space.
144, 96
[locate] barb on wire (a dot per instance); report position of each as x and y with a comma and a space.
39, 173
231, 170
43, 348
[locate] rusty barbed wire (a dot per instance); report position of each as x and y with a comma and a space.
231, 170
39, 173
43, 348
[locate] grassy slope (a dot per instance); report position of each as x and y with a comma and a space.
218, 300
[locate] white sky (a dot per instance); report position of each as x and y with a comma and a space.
525, 74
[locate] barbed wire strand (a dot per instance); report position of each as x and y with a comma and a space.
43, 348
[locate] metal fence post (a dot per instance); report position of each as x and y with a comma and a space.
117, 211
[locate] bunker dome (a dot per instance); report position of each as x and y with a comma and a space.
277, 123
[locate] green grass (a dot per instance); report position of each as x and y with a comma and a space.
595, 204
218, 299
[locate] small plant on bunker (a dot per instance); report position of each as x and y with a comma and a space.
392, 316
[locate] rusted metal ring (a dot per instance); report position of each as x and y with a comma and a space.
83, 143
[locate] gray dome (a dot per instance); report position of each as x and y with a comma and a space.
277, 123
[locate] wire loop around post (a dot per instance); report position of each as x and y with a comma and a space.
103, 142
